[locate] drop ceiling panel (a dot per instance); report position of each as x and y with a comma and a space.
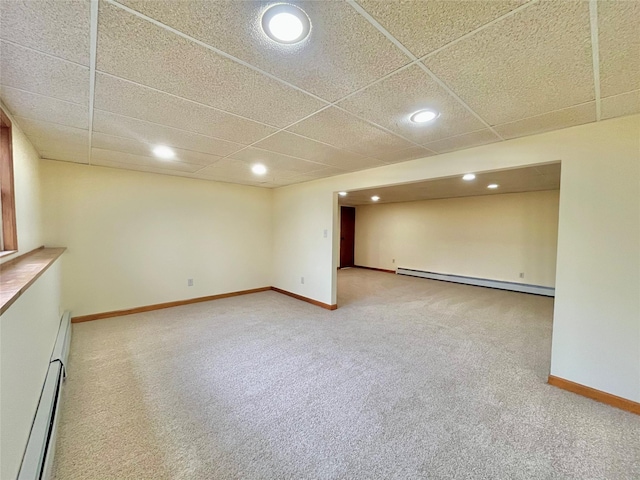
391, 102
137, 167
567, 117
619, 40
619, 105
39, 73
468, 140
155, 134
135, 147
59, 28
343, 51
47, 136
39, 107
136, 101
296, 146
276, 162
99, 156
338, 128
545, 177
406, 154
63, 151
535, 61
138, 50
423, 26
233, 170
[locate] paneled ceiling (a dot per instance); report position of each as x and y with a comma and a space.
516, 180
102, 83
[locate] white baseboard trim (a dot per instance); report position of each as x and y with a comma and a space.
480, 282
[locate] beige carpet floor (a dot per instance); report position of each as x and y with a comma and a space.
409, 378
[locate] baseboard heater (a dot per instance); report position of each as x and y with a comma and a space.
37, 462
480, 282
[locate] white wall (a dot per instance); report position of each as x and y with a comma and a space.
492, 236
596, 340
28, 332
28, 328
135, 238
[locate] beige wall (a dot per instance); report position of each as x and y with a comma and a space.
26, 179
493, 236
29, 327
596, 335
135, 238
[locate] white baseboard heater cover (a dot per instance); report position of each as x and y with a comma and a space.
480, 282
37, 462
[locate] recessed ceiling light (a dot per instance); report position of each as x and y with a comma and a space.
259, 169
493, 185
424, 116
286, 23
342, 194
469, 176
163, 152
375, 198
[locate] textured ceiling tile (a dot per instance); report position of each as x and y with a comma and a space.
423, 26
42, 134
532, 62
136, 147
342, 53
620, 105
35, 72
342, 130
289, 144
567, 117
405, 155
275, 162
468, 140
39, 107
138, 50
125, 98
619, 40
56, 27
154, 134
137, 167
65, 152
391, 103
233, 170
101, 156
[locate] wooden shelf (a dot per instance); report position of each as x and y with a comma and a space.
19, 274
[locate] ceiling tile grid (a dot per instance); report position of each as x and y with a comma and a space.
203, 78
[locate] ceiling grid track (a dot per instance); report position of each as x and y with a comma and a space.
417, 61
273, 77
93, 54
595, 51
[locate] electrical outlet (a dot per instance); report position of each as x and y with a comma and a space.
393, 260
190, 282
302, 280
521, 274
326, 233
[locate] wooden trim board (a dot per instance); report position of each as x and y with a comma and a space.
177, 303
598, 395
306, 299
376, 269
159, 306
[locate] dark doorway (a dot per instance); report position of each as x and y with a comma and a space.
347, 236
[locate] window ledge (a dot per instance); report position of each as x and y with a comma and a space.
6, 253
17, 275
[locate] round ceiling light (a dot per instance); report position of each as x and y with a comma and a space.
342, 194
163, 152
493, 185
424, 116
259, 169
468, 177
375, 198
286, 23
